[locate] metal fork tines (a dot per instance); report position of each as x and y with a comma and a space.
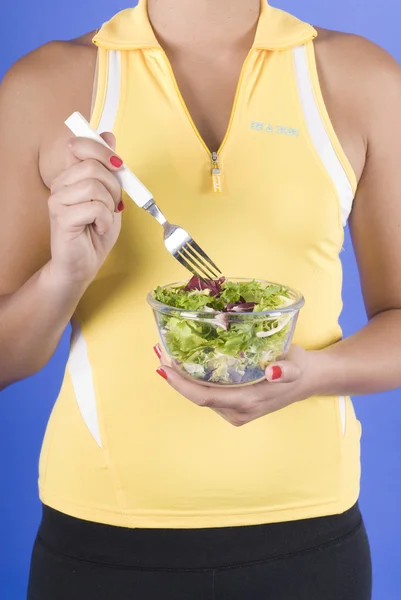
180, 244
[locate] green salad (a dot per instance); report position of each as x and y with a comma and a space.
223, 342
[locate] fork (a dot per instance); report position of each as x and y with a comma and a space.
177, 241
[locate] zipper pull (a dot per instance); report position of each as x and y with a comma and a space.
216, 174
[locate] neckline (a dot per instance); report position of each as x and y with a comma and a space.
131, 29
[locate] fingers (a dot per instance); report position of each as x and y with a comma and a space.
95, 213
83, 203
242, 399
283, 372
91, 171
84, 148
237, 406
288, 370
241, 405
81, 192
211, 396
202, 395
109, 138
80, 149
89, 177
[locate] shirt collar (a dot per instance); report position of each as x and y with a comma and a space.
131, 29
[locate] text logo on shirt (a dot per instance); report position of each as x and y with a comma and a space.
274, 129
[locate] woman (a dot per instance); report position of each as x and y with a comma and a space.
149, 487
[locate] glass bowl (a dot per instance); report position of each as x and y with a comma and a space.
226, 348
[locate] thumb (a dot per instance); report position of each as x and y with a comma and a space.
109, 138
283, 372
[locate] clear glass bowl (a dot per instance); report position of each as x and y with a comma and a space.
252, 349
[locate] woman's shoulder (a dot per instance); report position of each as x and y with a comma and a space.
52, 73
357, 78
43, 88
353, 57
56, 59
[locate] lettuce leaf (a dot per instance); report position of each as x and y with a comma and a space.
237, 352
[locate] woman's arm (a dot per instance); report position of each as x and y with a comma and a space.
46, 264
370, 360
24, 229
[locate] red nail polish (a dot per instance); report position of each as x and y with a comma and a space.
120, 206
116, 161
161, 372
276, 372
157, 350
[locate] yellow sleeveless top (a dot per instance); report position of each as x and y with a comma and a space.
124, 448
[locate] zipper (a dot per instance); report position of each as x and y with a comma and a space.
216, 174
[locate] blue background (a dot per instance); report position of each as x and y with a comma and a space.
25, 407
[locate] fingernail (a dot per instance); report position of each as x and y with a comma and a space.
157, 350
116, 161
120, 206
161, 372
276, 372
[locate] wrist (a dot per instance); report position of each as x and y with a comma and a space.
57, 283
323, 374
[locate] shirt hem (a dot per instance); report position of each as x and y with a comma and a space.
154, 520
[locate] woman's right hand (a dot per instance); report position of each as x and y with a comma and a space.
85, 210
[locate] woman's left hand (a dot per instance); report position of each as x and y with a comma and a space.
287, 381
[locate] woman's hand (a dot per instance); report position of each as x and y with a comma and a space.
287, 381
85, 206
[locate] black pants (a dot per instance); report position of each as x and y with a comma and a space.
326, 558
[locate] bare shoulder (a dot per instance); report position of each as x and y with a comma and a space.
41, 90
50, 70
355, 54
364, 74
53, 54
361, 86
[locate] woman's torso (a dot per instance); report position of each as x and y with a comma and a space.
123, 448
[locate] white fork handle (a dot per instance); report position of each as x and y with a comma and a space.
128, 181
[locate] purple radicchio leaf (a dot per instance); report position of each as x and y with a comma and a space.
214, 285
